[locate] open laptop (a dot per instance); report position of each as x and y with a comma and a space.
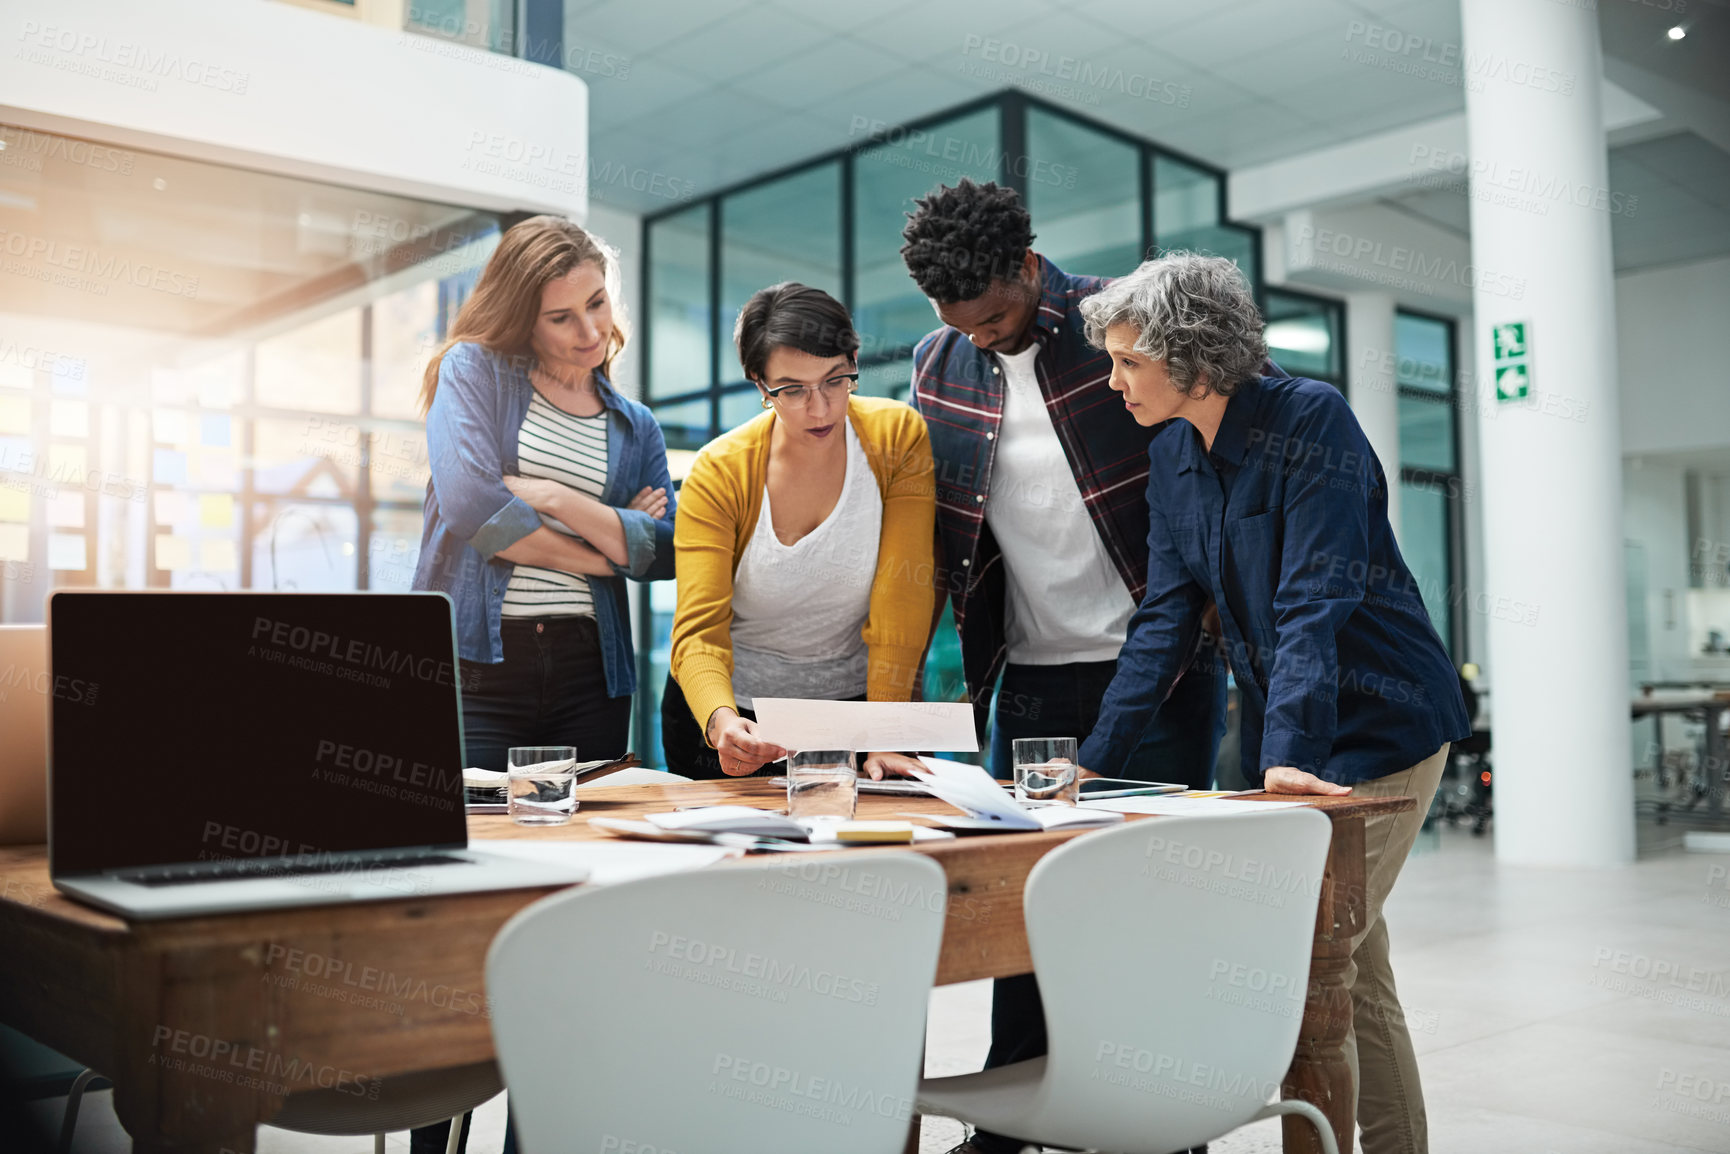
24, 684
217, 752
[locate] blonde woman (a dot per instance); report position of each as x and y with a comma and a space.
548, 488
804, 545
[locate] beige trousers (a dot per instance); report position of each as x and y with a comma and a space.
1390, 1099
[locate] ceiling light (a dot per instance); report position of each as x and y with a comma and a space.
159, 184
1677, 32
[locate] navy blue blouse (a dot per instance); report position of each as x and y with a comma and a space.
1284, 525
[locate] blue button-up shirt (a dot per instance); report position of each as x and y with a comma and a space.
470, 515
1284, 525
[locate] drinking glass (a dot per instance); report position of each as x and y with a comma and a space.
821, 785
1045, 770
541, 781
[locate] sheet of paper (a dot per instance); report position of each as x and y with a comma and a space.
729, 819
867, 725
974, 792
1177, 806
609, 862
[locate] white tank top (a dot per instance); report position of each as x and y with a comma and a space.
798, 609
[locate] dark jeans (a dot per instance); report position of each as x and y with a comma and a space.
551, 689
682, 739
1063, 701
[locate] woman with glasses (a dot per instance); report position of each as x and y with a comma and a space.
803, 544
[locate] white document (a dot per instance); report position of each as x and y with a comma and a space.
976, 793
729, 819
1184, 806
878, 726
609, 862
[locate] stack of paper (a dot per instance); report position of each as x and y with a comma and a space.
730, 819
989, 810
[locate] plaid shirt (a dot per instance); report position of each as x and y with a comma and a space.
958, 389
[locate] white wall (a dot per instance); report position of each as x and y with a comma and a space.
269, 86
1673, 337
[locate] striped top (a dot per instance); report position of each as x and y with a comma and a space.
572, 451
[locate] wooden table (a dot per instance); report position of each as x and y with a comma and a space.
114, 995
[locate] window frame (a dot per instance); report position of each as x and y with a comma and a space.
1449, 483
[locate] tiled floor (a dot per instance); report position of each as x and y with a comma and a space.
1538, 1023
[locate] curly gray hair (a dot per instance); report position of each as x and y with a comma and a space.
1193, 312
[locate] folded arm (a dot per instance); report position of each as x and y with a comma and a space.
463, 445
553, 550
601, 526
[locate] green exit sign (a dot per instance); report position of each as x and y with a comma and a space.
1510, 340
1513, 364
1512, 382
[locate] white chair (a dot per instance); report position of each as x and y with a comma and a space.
1173, 959
748, 1009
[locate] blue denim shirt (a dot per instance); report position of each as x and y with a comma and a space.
470, 516
1284, 525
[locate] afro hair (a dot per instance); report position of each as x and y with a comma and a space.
961, 239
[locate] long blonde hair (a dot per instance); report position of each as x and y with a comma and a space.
501, 311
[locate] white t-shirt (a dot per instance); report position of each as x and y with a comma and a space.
1066, 600
799, 610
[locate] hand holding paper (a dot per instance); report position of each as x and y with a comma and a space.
875, 725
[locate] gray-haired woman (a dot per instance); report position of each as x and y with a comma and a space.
1266, 499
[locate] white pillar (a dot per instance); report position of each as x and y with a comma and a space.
1552, 491
1371, 376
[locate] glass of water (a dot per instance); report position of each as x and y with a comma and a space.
1045, 770
541, 781
821, 785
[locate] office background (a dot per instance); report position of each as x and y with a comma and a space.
211, 351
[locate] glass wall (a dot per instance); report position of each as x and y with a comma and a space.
1305, 335
1084, 191
889, 311
679, 327
208, 376
1099, 199
1430, 486
488, 24
1189, 214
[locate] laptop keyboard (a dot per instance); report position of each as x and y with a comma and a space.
243, 868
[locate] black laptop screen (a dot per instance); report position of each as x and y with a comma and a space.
207, 726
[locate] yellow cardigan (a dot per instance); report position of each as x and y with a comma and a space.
718, 509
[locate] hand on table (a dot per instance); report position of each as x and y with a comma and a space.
736, 743
877, 765
1285, 779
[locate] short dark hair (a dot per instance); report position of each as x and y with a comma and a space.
796, 316
961, 239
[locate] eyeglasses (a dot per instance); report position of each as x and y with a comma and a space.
798, 396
